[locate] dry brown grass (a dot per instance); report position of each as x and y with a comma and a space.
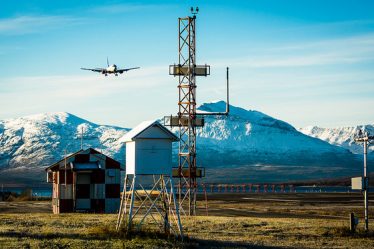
230, 225
94, 231
70, 231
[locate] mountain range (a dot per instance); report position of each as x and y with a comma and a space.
245, 146
341, 136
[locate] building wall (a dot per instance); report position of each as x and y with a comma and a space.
62, 194
149, 156
97, 191
153, 156
112, 205
130, 157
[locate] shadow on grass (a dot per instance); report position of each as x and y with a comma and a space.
12, 234
170, 241
345, 232
197, 243
104, 233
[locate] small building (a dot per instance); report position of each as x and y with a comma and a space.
86, 181
149, 149
149, 181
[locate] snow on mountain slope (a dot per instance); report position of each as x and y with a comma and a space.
342, 136
245, 139
254, 131
41, 139
248, 145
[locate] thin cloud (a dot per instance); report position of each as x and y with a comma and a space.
338, 25
124, 8
348, 50
34, 24
361, 41
90, 85
86, 92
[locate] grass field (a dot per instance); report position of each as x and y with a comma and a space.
233, 221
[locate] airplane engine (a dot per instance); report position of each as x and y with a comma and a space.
121, 72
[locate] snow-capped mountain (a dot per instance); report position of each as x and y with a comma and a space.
243, 145
41, 139
255, 131
271, 147
341, 136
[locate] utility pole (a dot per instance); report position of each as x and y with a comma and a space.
365, 138
82, 138
65, 162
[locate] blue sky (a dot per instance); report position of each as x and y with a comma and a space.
304, 62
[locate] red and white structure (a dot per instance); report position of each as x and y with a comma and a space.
86, 181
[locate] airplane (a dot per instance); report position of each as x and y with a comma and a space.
110, 69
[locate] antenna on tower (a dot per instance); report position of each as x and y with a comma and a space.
194, 11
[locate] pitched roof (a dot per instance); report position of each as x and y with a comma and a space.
89, 151
135, 132
67, 157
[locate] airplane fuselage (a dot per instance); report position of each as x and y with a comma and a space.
113, 69
110, 69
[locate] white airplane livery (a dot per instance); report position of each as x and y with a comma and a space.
111, 69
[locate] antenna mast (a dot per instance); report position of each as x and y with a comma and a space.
363, 137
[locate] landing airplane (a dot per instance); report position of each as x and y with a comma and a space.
110, 69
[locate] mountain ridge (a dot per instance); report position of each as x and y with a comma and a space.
341, 136
248, 141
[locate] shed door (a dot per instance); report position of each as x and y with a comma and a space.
153, 156
83, 191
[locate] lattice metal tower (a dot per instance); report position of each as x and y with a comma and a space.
187, 70
188, 120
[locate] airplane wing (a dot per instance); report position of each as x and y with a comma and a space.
126, 69
94, 69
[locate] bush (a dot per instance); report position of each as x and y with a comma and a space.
109, 231
346, 232
26, 195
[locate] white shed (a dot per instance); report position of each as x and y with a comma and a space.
149, 149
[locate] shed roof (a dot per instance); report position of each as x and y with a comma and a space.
67, 157
138, 130
86, 151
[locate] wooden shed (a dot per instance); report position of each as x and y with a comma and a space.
86, 181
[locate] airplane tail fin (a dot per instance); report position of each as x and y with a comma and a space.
107, 61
